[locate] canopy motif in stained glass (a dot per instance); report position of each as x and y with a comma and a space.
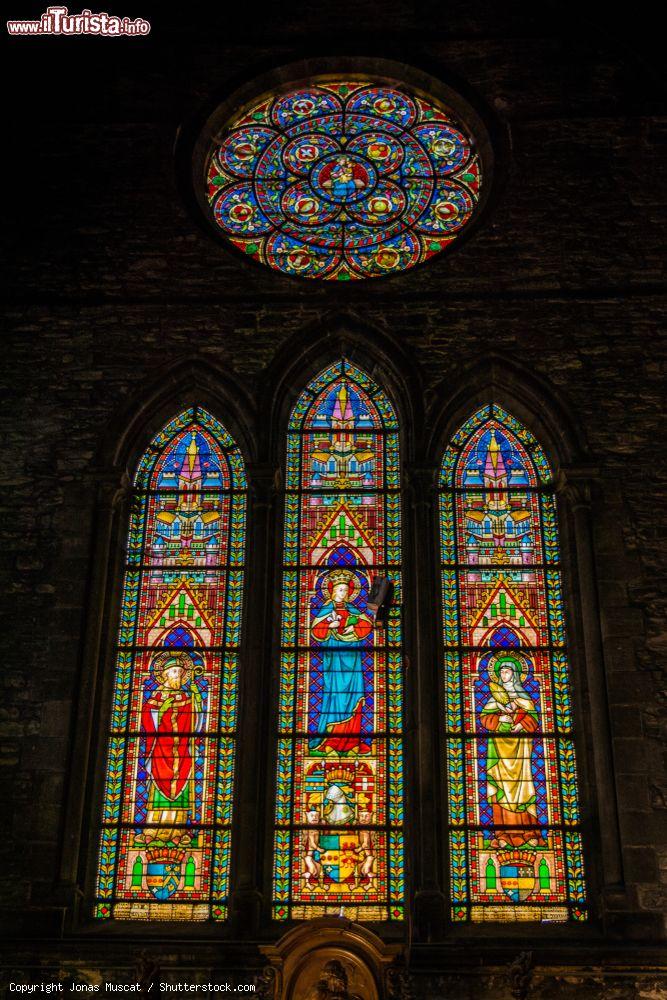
343, 179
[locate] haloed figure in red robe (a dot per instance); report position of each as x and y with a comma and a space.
171, 714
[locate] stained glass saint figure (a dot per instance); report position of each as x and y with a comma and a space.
338, 628
509, 771
343, 178
173, 710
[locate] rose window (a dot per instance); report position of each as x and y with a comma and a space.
343, 180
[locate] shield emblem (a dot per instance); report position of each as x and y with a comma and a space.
163, 878
338, 858
517, 875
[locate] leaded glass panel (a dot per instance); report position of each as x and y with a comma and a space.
166, 824
514, 836
339, 806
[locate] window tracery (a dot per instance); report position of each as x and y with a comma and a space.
343, 179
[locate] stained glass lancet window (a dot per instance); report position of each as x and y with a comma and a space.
515, 848
343, 179
339, 812
165, 840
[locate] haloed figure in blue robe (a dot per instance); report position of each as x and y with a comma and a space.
338, 629
344, 178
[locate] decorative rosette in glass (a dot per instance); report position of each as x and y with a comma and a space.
343, 180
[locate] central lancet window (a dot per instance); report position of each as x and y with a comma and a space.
339, 811
515, 848
166, 823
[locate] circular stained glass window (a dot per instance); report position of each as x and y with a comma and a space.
343, 180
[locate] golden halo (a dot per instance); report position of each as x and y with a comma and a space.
163, 661
513, 660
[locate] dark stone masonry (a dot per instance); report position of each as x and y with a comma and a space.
119, 307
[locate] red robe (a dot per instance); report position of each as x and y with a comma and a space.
168, 749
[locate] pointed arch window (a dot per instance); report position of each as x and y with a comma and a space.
165, 838
515, 849
339, 810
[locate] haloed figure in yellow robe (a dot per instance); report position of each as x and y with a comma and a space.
511, 790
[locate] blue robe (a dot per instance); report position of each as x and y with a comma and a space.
342, 676
343, 189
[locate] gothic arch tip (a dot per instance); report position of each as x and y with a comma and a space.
174, 386
528, 395
381, 355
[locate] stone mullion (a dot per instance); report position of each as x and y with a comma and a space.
422, 692
254, 706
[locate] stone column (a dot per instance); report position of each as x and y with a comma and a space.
575, 488
94, 675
